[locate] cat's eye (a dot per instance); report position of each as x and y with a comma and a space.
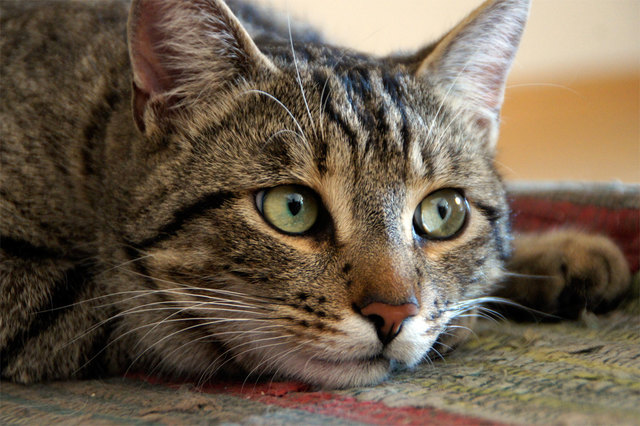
292, 209
441, 215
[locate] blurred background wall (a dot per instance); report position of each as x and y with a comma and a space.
572, 108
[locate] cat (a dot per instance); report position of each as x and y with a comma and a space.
195, 189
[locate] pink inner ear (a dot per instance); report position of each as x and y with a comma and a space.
150, 74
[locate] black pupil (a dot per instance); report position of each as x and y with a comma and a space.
443, 208
294, 202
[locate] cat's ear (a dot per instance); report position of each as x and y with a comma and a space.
181, 50
472, 61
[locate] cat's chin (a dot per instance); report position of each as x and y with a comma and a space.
341, 370
338, 374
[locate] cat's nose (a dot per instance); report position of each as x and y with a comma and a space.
388, 319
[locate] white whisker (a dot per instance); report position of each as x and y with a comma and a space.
277, 355
184, 286
168, 336
211, 321
444, 132
552, 85
439, 354
270, 96
279, 132
207, 375
462, 307
128, 262
235, 333
295, 62
446, 96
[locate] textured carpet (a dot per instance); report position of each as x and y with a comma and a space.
578, 372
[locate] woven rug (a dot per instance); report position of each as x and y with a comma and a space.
574, 372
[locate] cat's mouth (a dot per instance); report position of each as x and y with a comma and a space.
353, 362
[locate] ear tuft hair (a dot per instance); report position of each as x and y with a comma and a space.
181, 50
472, 61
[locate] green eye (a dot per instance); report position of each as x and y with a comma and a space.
292, 209
441, 215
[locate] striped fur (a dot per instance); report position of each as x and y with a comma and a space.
130, 235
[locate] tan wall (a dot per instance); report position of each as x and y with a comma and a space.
572, 109
586, 129
566, 36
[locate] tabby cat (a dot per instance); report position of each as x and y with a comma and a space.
198, 190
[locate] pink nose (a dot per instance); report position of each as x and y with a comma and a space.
388, 319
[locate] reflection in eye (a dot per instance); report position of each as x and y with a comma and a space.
292, 209
441, 215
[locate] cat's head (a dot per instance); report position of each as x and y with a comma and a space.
312, 212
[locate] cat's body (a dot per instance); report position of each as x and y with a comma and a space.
137, 226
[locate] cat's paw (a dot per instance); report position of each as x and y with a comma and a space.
565, 272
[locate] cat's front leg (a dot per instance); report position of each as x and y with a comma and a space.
565, 272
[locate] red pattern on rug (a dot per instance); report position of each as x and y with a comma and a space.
297, 396
292, 395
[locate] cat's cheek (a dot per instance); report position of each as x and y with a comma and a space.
413, 342
361, 333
